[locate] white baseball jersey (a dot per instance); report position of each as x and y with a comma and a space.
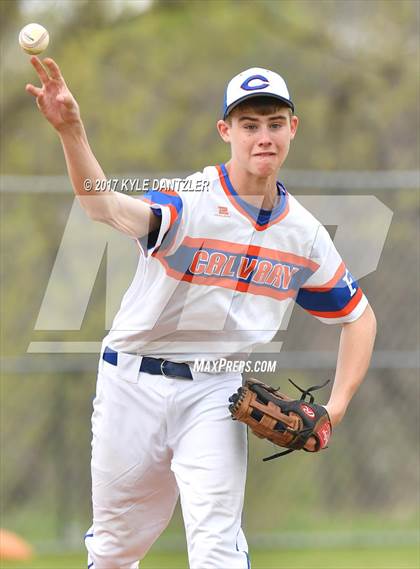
220, 274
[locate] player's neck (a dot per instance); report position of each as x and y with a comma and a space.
259, 192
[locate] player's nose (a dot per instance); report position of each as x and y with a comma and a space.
264, 138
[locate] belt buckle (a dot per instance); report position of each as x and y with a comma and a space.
162, 363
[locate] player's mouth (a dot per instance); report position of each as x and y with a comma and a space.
265, 154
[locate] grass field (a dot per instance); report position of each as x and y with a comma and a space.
388, 558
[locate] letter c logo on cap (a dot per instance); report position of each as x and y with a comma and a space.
247, 87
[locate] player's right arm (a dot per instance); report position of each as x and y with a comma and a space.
130, 216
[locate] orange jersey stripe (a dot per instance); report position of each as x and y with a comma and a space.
252, 250
331, 283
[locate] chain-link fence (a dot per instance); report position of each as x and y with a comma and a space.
364, 488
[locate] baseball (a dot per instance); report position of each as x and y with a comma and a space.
33, 39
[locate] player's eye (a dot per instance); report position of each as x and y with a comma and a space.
250, 126
276, 126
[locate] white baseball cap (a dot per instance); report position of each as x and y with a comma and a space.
255, 82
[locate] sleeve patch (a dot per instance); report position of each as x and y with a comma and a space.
331, 302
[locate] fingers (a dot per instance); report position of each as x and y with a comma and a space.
53, 68
42, 74
35, 91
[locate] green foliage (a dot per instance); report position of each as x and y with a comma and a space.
151, 85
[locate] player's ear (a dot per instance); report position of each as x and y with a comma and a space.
294, 122
224, 130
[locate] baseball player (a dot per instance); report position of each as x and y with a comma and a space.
221, 257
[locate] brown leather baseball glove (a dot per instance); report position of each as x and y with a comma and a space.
284, 421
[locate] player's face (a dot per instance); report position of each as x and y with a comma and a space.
259, 143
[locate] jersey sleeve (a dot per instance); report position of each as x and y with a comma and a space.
331, 293
168, 206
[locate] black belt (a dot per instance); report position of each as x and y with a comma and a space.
154, 366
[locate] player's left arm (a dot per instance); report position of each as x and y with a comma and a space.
354, 354
333, 296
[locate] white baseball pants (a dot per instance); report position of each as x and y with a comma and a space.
155, 438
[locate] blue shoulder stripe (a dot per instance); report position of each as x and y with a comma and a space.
332, 300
